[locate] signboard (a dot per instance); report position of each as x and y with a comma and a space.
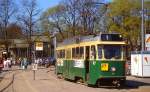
78, 63
147, 42
4, 52
39, 46
140, 64
34, 67
104, 67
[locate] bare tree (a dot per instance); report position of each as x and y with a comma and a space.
29, 18
84, 16
7, 11
76, 17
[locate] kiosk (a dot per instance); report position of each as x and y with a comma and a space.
140, 64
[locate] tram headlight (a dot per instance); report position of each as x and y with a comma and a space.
113, 69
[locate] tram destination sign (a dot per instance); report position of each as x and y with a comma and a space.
111, 37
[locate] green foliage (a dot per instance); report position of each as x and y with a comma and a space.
125, 19
52, 19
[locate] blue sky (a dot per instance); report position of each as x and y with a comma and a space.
44, 4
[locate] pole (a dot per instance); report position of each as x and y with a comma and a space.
142, 34
33, 74
142, 27
55, 45
54, 40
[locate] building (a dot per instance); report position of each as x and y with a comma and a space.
21, 47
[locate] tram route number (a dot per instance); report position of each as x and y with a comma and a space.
104, 67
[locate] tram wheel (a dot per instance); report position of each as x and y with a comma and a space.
79, 80
98, 84
60, 76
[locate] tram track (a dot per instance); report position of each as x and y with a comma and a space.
10, 84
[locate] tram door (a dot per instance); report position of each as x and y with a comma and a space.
87, 56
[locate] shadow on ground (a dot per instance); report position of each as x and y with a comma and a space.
130, 84
135, 84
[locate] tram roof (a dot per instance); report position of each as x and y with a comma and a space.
93, 38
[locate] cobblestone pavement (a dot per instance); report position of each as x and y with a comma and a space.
46, 81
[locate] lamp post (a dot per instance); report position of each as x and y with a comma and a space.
55, 45
142, 27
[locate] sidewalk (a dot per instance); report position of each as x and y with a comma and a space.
23, 81
45, 81
6, 80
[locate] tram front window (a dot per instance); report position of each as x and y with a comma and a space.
99, 51
112, 52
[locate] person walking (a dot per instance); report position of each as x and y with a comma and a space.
6, 64
22, 64
9, 62
25, 63
1, 64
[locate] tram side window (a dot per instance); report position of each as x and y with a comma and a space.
99, 52
63, 54
58, 54
68, 53
93, 52
77, 52
124, 52
73, 53
81, 52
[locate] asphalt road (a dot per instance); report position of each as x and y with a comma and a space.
46, 81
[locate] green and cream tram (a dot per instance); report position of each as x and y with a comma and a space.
92, 59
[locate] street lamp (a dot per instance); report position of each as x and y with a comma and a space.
142, 27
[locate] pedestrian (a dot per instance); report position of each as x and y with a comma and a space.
9, 62
6, 64
22, 64
1, 64
13, 61
25, 63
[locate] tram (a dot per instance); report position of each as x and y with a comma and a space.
94, 60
